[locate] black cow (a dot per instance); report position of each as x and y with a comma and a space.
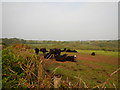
74, 51
63, 50
36, 50
93, 53
52, 53
55, 51
70, 58
61, 58
47, 55
75, 56
68, 50
43, 50
64, 57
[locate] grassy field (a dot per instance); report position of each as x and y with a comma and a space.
93, 72
99, 52
23, 68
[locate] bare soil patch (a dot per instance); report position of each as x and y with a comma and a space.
98, 58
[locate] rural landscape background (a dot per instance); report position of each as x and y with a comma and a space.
82, 27
25, 69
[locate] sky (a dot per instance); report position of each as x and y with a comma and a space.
60, 20
60, 0
0, 19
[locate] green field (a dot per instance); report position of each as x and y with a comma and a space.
91, 72
22, 68
99, 52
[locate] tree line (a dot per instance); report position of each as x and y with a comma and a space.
108, 45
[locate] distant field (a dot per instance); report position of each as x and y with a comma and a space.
99, 52
110, 45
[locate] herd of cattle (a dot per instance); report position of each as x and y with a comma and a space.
56, 54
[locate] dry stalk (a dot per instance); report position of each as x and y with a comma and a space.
40, 73
85, 86
114, 86
77, 84
110, 77
103, 84
11, 70
57, 81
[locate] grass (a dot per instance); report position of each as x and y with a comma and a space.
33, 72
91, 75
99, 52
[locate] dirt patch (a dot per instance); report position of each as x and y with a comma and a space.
53, 62
97, 58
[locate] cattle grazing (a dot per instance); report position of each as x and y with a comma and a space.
75, 56
47, 55
74, 51
70, 58
43, 50
63, 50
55, 51
68, 50
93, 53
52, 56
36, 50
52, 53
61, 58
64, 57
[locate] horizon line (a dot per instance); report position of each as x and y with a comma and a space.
59, 40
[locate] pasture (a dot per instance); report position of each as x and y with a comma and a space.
93, 70
22, 68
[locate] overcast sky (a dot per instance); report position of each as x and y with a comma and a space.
60, 20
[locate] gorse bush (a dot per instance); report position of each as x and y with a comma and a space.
10, 69
23, 69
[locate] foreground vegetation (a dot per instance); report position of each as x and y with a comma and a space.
22, 68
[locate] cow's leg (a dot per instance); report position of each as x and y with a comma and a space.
48, 55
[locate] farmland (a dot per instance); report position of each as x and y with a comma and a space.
93, 70
22, 68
